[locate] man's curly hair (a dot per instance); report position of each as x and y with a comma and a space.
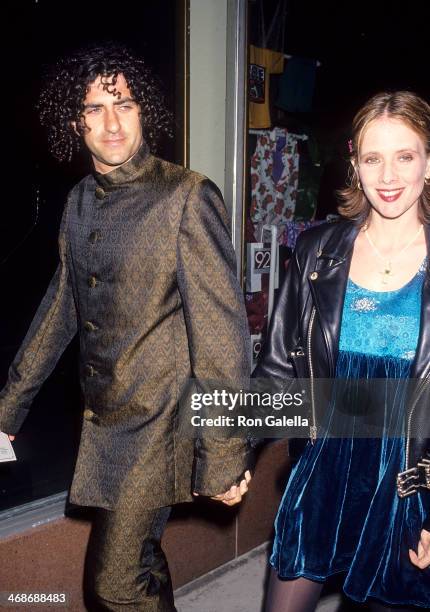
67, 83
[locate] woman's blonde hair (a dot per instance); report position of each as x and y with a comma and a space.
415, 113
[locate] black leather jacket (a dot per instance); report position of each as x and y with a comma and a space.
303, 337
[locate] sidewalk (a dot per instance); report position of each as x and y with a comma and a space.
239, 586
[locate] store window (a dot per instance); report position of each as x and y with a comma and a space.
311, 65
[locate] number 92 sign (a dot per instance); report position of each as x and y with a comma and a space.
258, 263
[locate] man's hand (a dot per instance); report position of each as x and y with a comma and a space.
235, 493
422, 559
11, 438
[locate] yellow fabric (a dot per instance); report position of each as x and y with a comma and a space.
263, 63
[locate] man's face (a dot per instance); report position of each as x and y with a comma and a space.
110, 126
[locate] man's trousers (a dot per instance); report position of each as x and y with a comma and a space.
125, 568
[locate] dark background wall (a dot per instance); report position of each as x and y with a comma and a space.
364, 47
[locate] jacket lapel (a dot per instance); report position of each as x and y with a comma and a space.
328, 284
421, 364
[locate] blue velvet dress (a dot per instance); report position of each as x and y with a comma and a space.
340, 511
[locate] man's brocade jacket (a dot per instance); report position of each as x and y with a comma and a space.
147, 280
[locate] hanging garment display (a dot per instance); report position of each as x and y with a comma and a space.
262, 63
296, 85
309, 179
271, 36
292, 230
274, 177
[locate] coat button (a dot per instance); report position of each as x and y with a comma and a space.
90, 326
94, 236
92, 282
314, 276
100, 193
89, 370
88, 414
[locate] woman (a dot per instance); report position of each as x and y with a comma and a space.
356, 304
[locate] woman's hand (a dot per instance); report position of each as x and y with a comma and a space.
422, 559
235, 493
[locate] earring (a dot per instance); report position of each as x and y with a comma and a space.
359, 184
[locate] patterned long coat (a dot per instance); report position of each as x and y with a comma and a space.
147, 280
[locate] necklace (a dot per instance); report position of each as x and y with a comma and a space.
387, 271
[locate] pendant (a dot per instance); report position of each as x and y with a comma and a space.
386, 273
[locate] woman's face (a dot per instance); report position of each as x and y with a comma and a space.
392, 166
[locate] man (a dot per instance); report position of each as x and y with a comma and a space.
147, 280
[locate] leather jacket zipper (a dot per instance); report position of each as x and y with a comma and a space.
408, 430
313, 427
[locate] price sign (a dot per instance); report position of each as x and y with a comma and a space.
256, 344
259, 259
262, 261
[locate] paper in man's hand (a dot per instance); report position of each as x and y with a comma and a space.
6, 450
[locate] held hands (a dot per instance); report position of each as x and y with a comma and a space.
422, 559
235, 493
